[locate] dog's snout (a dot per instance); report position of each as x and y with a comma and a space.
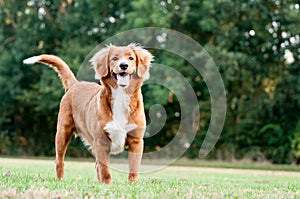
123, 65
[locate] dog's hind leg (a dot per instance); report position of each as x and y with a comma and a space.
65, 128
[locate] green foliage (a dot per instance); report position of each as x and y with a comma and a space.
295, 144
248, 40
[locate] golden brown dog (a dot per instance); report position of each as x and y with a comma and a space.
107, 117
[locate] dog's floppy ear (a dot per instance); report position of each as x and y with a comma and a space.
100, 61
143, 60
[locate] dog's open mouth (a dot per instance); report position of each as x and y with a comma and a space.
122, 78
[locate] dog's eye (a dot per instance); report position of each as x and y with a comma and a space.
115, 58
131, 58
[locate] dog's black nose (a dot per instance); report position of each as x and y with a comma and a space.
123, 66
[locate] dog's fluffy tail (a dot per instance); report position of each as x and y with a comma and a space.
63, 70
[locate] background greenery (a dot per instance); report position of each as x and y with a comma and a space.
255, 44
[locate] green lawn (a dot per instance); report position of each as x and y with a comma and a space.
23, 178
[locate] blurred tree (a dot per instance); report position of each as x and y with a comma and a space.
296, 145
254, 43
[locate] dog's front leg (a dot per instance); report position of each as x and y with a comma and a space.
135, 152
102, 153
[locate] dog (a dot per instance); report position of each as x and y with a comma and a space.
107, 117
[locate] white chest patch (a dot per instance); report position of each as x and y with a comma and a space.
119, 127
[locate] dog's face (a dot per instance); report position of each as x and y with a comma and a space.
118, 65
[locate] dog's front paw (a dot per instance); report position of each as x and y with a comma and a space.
133, 177
106, 179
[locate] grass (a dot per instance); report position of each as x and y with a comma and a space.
23, 178
241, 164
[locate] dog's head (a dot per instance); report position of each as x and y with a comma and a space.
118, 65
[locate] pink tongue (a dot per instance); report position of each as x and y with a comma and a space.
123, 80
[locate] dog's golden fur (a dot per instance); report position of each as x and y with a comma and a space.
107, 116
